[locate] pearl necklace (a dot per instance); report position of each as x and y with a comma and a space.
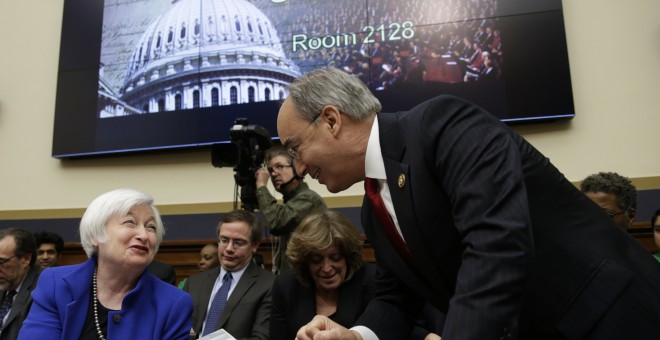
96, 311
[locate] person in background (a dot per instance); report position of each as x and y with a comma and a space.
162, 271
328, 277
655, 225
208, 258
111, 295
18, 277
236, 296
299, 201
613, 193
49, 248
463, 213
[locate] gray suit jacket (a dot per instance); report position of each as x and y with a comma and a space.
21, 306
247, 312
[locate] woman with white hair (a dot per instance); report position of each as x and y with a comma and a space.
111, 295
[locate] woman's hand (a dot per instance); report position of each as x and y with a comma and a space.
321, 327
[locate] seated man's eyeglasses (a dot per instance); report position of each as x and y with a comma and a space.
238, 243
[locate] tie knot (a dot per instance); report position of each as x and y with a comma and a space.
227, 277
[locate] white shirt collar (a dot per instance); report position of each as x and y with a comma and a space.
374, 166
235, 277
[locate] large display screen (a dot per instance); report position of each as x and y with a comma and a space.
138, 75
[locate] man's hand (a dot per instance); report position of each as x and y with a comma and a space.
322, 327
262, 177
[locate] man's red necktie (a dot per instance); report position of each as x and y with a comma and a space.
376, 201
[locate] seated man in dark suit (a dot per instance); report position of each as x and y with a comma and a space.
18, 277
237, 282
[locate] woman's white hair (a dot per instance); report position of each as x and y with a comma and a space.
113, 203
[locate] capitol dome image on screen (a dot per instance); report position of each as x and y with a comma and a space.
177, 74
195, 54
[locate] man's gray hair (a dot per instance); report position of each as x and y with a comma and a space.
332, 86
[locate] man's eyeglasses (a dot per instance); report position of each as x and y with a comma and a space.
238, 243
292, 144
278, 167
3, 261
614, 214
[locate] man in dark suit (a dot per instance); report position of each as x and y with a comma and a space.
246, 313
18, 277
488, 230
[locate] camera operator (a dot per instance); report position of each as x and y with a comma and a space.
299, 200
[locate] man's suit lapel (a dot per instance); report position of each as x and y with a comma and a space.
399, 179
23, 296
205, 296
248, 279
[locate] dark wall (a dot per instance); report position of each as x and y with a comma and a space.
202, 226
177, 227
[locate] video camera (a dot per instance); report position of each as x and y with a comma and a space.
246, 154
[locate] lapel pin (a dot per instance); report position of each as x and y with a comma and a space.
402, 181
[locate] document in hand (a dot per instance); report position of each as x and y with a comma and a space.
220, 334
